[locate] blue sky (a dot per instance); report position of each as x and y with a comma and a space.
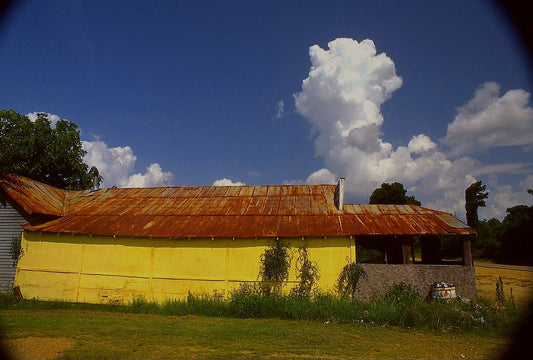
273, 92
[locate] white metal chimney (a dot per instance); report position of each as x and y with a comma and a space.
96, 175
339, 194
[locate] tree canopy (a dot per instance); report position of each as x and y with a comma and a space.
475, 196
392, 194
508, 241
517, 235
39, 151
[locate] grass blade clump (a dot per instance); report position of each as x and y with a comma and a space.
206, 305
402, 305
141, 306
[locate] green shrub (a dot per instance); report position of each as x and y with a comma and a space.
402, 293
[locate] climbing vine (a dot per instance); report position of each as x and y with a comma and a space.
274, 270
16, 250
349, 279
307, 274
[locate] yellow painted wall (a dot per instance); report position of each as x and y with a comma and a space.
103, 269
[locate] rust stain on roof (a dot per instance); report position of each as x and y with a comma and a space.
34, 197
220, 211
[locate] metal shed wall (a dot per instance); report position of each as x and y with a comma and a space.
10, 228
103, 269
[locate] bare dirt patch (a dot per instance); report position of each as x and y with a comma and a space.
36, 347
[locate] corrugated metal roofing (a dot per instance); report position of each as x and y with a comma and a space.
221, 211
10, 228
34, 197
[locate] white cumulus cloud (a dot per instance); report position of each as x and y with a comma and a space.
503, 196
227, 182
322, 176
117, 164
154, 176
490, 120
342, 97
420, 144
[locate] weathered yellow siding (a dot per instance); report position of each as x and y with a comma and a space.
102, 269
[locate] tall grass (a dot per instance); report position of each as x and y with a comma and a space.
402, 306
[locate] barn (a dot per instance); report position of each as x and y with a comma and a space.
118, 244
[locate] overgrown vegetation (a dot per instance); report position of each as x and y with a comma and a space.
16, 249
307, 273
401, 306
274, 270
348, 280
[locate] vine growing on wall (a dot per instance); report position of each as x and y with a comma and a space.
16, 249
274, 270
349, 279
307, 274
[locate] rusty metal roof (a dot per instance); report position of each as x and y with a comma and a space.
34, 197
221, 211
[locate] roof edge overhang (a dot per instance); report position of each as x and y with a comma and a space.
33, 196
43, 229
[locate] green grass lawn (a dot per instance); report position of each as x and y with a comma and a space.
98, 334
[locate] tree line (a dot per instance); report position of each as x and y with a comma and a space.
509, 241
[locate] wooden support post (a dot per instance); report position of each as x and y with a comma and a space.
467, 250
405, 252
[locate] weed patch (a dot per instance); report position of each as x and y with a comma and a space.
401, 306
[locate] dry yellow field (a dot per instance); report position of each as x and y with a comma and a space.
518, 279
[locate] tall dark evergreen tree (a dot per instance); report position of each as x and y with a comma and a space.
475, 196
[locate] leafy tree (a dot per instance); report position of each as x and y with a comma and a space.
517, 235
488, 240
475, 196
52, 155
392, 194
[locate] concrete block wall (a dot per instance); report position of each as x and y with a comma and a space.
381, 276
